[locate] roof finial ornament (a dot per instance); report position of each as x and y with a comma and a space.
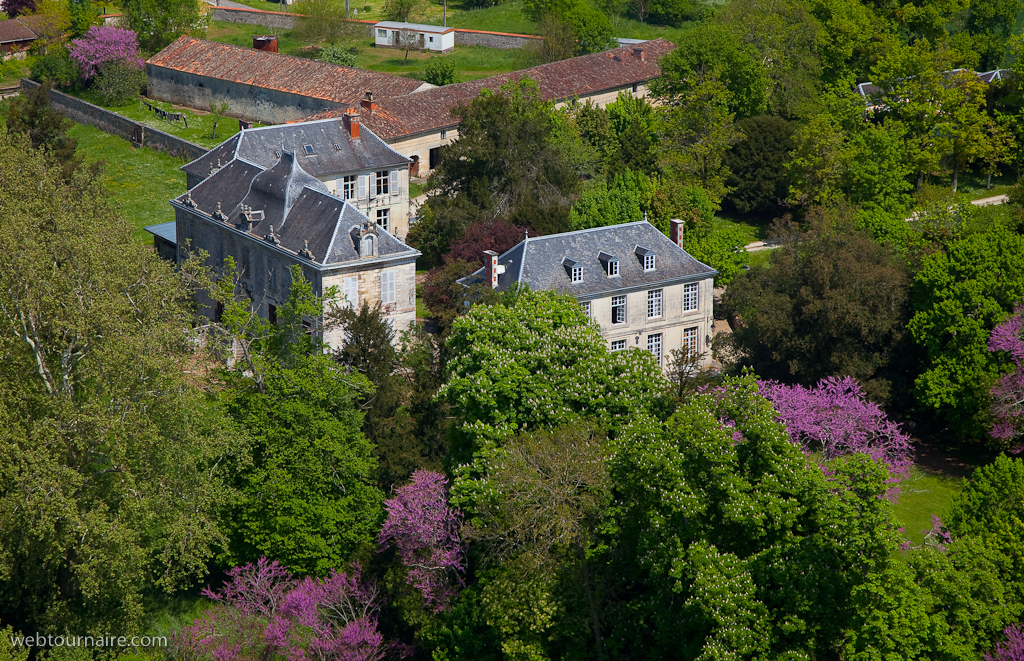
189, 202
272, 238
219, 215
305, 251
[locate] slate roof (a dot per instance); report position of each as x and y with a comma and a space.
285, 73
430, 110
870, 91
418, 27
13, 30
334, 150
540, 262
298, 206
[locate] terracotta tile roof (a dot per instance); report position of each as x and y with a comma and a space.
13, 29
430, 110
284, 73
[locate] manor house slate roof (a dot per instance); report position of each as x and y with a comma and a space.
335, 152
431, 109
304, 215
284, 73
541, 262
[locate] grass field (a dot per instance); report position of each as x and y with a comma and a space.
141, 181
471, 62
925, 493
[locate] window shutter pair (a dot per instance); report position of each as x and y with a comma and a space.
387, 287
350, 288
361, 185
394, 182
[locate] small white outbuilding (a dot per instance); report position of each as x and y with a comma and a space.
434, 38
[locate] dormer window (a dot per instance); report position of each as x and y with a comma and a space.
611, 264
309, 150
574, 269
646, 257
277, 154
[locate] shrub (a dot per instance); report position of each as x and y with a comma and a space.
120, 82
440, 71
56, 68
339, 55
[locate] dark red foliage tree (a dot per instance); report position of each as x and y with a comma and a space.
496, 235
15, 8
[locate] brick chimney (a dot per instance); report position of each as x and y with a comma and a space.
351, 119
267, 42
491, 267
675, 231
639, 52
368, 103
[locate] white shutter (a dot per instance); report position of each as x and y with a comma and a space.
362, 186
350, 288
371, 185
387, 287
394, 182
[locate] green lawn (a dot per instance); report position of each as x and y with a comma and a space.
12, 71
471, 62
141, 181
925, 493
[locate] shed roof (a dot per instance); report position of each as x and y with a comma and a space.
540, 262
284, 73
13, 30
335, 152
418, 27
430, 110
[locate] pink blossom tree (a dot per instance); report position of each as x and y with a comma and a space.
835, 418
1012, 649
263, 611
1008, 393
425, 531
102, 44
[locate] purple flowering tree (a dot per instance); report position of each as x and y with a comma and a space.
264, 611
425, 531
1012, 649
1008, 392
102, 44
834, 418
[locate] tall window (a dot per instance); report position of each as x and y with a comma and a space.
654, 346
585, 306
387, 287
690, 341
689, 297
350, 288
649, 261
618, 345
348, 188
653, 303
613, 268
383, 183
384, 219
618, 309
577, 274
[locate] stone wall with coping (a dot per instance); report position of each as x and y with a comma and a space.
498, 40
110, 122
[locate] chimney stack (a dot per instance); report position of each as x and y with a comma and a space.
639, 52
267, 42
368, 103
675, 232
491, 267
351, 119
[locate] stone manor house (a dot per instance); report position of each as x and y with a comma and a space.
639, 286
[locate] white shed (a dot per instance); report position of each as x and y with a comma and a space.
387, 34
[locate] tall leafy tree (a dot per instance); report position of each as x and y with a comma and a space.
112, 462
159, 22
755, 162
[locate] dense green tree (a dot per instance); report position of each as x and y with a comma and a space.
112, 460
629, 198
730, 545
757, 175
720, 246
159, 22
30, 115
309, 498
591, 28
505, 164
709, 48
632, 121
836, 304
959, 296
